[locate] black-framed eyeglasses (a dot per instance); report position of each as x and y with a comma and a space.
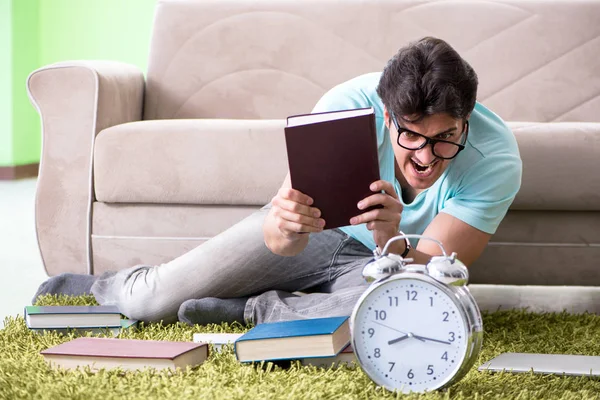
440, 148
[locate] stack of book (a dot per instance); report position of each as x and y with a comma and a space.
63, 319
321, 342
317, 341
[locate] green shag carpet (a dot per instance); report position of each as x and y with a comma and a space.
24, 373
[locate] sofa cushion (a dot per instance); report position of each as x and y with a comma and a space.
559, 162
542, 248
148, 221
237, 162
124, 235
243, 162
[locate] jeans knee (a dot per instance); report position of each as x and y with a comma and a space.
148, 308
139, 298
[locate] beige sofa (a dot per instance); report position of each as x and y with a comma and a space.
140, 170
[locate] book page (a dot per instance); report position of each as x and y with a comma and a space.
326, 116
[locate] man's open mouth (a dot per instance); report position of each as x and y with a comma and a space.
424, 169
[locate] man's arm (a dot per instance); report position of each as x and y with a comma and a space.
467, 221
290, 221
456, 236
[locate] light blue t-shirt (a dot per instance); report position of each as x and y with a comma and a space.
477, 187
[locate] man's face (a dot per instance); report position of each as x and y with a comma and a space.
421, 168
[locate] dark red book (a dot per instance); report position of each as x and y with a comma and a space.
128, 354
332, 158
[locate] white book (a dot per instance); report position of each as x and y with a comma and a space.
50, 317
126, 324
216, 339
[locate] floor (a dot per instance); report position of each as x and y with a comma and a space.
21, 266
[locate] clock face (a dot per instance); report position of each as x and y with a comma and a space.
409, 335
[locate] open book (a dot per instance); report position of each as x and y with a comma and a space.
333, 158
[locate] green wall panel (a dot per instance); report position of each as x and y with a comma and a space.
25, 58
34, 33
96, 29
6, 151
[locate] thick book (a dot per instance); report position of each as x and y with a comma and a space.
332, 157
345, 357
129, 354
72, 316
317, 337
126, 325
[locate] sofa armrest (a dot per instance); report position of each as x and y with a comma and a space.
75, 100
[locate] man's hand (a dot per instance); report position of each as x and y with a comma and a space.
383, 222
289, 220
293, 215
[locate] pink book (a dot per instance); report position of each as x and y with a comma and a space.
127, 354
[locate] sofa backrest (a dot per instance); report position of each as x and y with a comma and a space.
263, 59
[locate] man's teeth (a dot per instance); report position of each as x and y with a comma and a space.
423, 169
424, 165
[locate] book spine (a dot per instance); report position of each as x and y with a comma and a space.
373, 129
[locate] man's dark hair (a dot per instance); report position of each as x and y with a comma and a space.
428, 77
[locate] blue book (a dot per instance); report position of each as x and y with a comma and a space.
317, 337
72, 317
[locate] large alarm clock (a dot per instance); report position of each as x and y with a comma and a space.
417, 328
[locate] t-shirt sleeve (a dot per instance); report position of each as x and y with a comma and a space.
486, 192
341, 98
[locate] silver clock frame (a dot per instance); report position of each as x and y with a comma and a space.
448, 275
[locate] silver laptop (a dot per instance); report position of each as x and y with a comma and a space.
544, 364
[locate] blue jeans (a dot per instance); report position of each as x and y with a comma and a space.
237, 263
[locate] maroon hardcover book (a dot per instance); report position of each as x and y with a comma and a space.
332, 158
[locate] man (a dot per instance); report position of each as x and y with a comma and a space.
449, 167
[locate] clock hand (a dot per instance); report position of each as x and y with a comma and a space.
397, 330
401, 338
389, 327
423, 338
